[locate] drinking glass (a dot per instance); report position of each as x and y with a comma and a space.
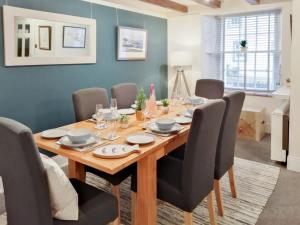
99, 117
113, 133
113, 104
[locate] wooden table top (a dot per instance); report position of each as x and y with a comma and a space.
113, 166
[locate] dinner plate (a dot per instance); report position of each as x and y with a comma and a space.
126, 111
65, 141
187, 114
183, 120
176, 128
115, 151
53, 133
140, 139
201, 101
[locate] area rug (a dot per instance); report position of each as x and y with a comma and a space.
255, 184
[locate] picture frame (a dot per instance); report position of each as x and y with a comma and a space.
132, 43
45, 35
74, 37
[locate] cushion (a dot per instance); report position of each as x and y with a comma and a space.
63, 197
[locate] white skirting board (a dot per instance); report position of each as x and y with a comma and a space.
293, 163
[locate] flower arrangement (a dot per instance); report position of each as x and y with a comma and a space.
140, 104
165, 103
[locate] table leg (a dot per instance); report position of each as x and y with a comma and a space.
76, 170
146, 191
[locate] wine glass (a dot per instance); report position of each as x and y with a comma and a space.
99, 117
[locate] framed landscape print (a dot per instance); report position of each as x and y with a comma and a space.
45, 38
74, 37
132, 43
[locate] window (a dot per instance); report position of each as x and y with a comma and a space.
258, 69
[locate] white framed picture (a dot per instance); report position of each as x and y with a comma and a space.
45, 38
74, 37
132, 43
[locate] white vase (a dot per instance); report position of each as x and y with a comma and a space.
244, 49
124, 125
165, 109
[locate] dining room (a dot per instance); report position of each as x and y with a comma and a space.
149, 112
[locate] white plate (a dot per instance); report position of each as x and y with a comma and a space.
187, 114
115, 151
126, 111
183, 120
176, 128
201, 101
53, 133
65, 141
140, 139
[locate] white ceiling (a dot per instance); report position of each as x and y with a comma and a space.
142, 7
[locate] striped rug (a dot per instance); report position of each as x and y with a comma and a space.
255, 184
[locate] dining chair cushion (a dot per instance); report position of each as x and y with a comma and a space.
85, 100
178, 152
169, 170
227, 139
63, 197
96, 207
210, 88
125, 94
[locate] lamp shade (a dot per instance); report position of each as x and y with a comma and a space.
180, 58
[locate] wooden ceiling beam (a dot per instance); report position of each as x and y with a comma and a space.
253, 2
168, 4
210, 3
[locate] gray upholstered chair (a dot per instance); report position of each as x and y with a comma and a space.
125, 94
210, 88
85, 101
185, 183
226, 144
26, 188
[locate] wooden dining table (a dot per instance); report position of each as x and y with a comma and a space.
146, 208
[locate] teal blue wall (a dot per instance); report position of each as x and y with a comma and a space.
40, 96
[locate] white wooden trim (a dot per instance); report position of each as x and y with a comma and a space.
127, 8
293, 163
9, 14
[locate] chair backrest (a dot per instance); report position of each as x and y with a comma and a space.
125, 94
200, 153
227, 138
85, 100
210, 88
24, 178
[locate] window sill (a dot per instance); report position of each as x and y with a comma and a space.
252, 93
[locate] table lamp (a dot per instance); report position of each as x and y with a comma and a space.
179, 60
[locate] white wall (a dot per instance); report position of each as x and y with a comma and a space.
294, 154
184, 33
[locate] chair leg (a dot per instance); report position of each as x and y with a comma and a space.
116, 192
210, 206
133, 207
232, 182
188, 218
217, 188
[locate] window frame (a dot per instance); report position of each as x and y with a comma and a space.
275, 53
